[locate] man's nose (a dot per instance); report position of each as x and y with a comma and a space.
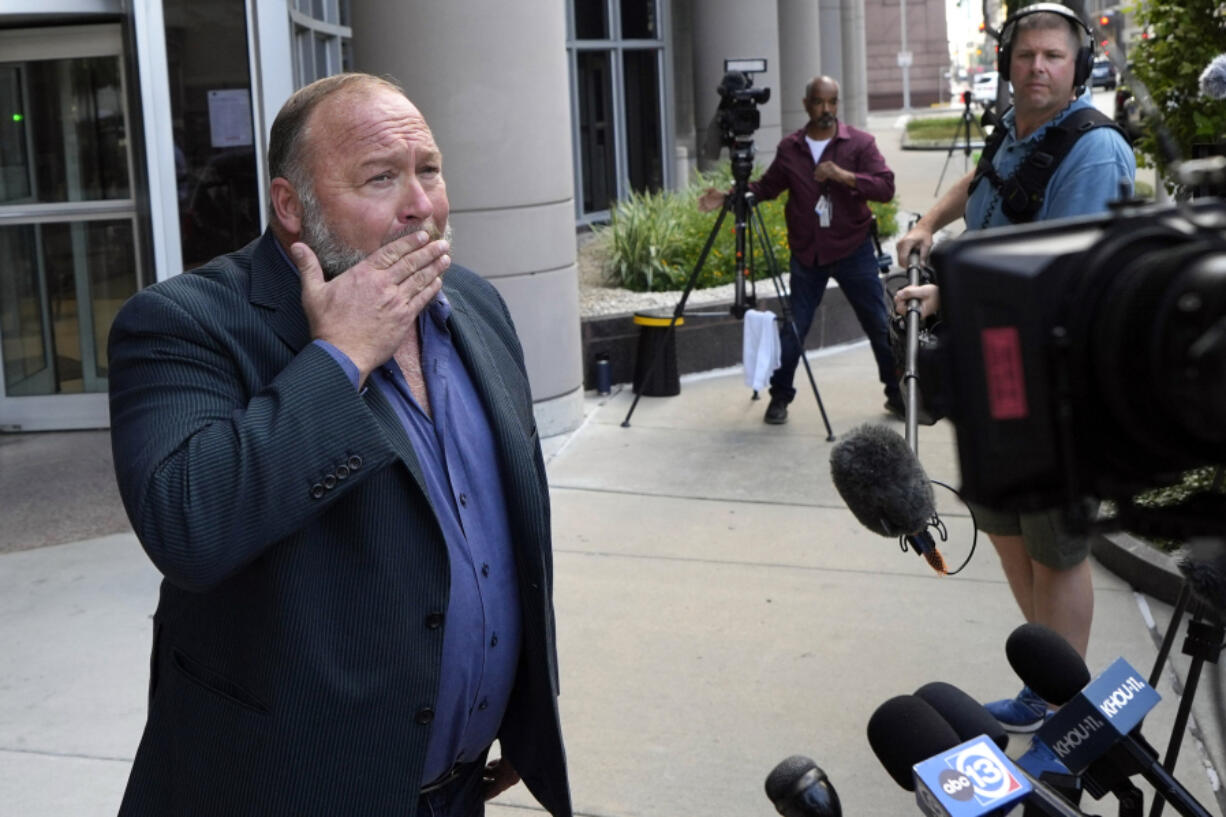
415, 204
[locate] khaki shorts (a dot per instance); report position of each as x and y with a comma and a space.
1043, 533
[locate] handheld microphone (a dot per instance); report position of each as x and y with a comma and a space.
904, 731
882, 481
1093, 725
969, 718
970, 779
799, 788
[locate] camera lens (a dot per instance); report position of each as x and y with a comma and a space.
1157, 353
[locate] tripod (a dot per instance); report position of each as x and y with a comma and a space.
748, 227
964, 131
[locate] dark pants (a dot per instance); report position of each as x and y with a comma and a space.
463, 797
858, 278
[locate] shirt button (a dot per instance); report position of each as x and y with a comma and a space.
494, 640
485, 568
464, 500
485, 704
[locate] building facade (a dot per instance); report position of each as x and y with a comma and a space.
133, 137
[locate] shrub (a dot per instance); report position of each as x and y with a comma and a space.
1183, 38
653, 240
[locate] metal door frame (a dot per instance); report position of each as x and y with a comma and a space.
90, 409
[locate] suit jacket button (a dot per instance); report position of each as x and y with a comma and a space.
317, 491
354, 463
424, 715
342, 472
329, 482
434, 621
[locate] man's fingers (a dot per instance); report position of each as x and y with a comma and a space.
308, 266
393, 252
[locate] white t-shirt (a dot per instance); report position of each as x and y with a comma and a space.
817, 148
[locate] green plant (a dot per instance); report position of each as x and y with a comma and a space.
1183, 38
653, 240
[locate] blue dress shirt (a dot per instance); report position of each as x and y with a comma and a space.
481, 636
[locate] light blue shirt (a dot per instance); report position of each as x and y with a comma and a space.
1086, 180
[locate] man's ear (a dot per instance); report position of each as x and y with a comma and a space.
287, 206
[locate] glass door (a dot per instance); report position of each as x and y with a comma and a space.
68, 222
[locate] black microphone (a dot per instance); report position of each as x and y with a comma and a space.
882, 482
969, 719
1213, 79
907, 730
962, 712
1054, 670
799, 788
904, 731
1046, 662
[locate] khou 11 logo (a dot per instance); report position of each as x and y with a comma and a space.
970, 779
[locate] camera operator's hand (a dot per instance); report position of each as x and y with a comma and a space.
711, 199
929, 297
828, 171
918, 238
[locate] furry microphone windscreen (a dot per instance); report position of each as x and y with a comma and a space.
882, 482
1213, 80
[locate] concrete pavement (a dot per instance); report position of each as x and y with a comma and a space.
719, 610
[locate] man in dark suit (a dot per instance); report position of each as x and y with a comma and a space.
334, 463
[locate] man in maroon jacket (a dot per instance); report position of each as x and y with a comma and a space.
830, 170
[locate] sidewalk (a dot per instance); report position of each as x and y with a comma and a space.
719, 609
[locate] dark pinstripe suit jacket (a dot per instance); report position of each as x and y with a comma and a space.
297, 639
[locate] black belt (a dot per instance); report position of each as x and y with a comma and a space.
448, 777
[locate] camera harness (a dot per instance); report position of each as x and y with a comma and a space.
1023, 193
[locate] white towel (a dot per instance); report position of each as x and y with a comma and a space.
760, 347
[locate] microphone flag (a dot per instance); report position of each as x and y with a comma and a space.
1105, 710
969, 780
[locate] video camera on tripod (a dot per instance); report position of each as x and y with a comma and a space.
737, 116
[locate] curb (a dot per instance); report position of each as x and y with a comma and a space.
1145, 568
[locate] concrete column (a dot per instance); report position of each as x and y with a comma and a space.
853, 83
830, 24
726, 29
500, 112
799, 58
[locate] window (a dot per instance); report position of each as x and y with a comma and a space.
618, 85
321, 39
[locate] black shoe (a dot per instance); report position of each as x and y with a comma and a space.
894, 405
776, 412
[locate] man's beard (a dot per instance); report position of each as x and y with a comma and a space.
335, 256
826, 120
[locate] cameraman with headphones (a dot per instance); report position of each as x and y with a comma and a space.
1053, 156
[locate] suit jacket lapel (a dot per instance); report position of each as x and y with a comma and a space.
504, 416
275, 286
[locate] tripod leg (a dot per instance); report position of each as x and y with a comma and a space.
679, 310
773, 268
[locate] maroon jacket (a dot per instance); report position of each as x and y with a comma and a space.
792, 170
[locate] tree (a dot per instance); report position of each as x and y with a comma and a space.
1179, 40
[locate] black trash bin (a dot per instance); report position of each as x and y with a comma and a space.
655, 367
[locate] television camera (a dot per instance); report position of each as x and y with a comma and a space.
1087, 358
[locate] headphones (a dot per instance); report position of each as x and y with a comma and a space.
1082, 62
